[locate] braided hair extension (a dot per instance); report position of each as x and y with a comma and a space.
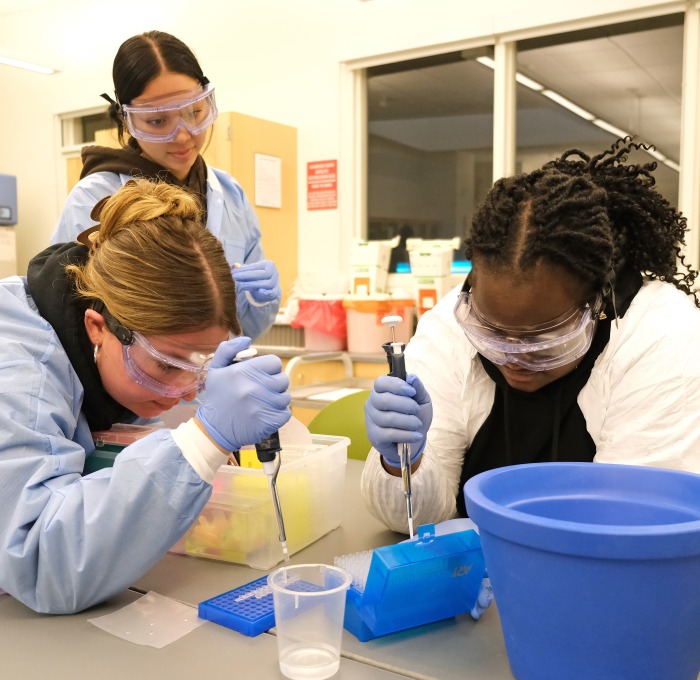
593, 216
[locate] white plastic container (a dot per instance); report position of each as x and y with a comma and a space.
366, 333
238, 523
431, 262
369, 265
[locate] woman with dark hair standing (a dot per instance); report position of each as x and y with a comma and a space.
574, 338
164, 107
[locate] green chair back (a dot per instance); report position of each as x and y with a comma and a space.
345, 417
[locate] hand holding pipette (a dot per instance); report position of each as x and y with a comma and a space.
246, 403
269, 452
398, 412
397, 368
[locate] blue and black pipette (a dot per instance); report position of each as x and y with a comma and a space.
269, 452
397, 368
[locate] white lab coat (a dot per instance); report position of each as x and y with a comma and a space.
230, 217
641, 403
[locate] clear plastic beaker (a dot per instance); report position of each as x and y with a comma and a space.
309, 602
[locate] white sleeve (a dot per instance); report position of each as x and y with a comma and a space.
440, 355
642, 403
199, 451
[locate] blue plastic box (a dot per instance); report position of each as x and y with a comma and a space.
247, 609
416, 582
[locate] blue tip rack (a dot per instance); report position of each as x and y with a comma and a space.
427, 579
247, 609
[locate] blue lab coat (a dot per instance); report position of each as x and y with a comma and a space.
230, 217
67, 541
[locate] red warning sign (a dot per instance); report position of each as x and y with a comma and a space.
322, 185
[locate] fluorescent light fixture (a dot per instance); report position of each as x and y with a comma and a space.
563, 101
27, 65
610, 128
523, 80
672, 164
656, 154
487, 61
528, 82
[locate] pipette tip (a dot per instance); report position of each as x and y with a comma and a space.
410, 527
285, 552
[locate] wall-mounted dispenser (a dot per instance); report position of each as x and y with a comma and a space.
8, 200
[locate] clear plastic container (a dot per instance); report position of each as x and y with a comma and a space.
238, 523
309, 604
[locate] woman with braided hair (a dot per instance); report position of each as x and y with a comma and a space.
575, 337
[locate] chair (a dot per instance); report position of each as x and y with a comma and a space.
345, 417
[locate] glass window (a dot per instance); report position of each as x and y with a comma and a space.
621, 79
430, 121
78, 129
429, 151
93, 124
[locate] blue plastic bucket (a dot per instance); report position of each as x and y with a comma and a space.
595, 568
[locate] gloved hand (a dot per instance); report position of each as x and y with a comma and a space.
246, 401
483, 600
259, 280
398, 412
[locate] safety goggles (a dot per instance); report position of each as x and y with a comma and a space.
534, 348
161, 123
155, 371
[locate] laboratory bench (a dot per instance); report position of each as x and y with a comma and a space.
454, 649
70, 647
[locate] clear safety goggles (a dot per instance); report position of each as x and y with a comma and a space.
534, 348
162, 122
161, 373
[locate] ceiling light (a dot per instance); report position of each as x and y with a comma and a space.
27, 65
563, 101
610, 128
487, 61
528, 82
656, 154
672, 164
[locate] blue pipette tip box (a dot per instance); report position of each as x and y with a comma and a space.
427, 579
247, 609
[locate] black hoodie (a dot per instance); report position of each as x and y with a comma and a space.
57, 302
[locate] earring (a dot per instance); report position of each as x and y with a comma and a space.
94, 354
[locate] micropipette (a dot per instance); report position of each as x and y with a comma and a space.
397, 368
269, 452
